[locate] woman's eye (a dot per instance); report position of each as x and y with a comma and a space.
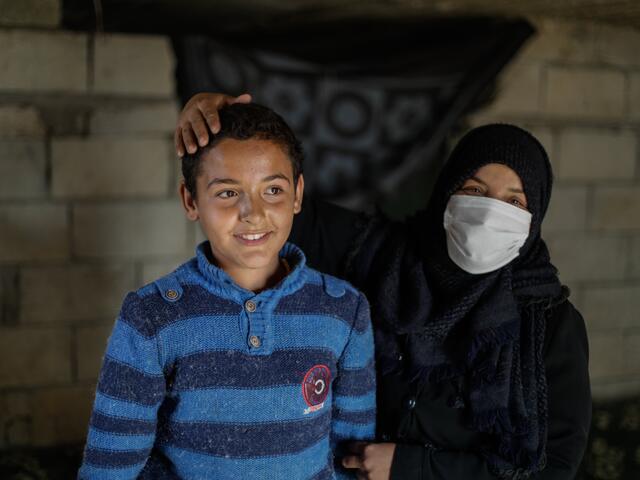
473, 190
516, 202
226, 194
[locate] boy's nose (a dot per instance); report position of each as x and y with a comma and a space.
251, 210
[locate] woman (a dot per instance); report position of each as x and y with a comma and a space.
482, 360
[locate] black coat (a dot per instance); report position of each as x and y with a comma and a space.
432, 440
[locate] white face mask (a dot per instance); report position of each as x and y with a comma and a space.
484, 234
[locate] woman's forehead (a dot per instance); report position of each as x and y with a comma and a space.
498, 173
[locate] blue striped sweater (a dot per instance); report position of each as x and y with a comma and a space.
203, 379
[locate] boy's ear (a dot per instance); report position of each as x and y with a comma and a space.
297, 203
188, 203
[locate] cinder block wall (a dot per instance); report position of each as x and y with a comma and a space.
576, 86
88, 205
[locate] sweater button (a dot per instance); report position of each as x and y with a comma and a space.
171, 294
255, 341
250, 306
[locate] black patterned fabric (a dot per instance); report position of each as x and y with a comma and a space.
371, 103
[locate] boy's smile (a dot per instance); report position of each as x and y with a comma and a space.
245, 202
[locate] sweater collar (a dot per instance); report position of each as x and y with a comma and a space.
220, 282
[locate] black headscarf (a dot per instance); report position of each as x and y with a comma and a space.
485, 331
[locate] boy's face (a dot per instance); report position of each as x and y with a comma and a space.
245, 201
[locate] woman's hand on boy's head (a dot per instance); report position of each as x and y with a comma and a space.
201, 110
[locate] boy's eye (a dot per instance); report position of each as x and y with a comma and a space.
226, 194
274, 190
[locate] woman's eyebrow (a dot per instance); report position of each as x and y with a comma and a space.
476, 179
516, 190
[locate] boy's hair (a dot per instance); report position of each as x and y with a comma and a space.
244, 121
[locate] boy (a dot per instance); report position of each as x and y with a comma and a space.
243, 363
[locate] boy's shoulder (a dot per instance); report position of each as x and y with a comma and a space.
169, 287
325, 294
177, 294
332, 286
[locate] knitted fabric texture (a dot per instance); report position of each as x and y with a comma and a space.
203, 379
483, 332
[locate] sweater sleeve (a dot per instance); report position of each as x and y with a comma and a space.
569, 414
130, 389
326, 233
354, 390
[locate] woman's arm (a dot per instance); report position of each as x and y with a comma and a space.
569, 414
326, 234
568, 392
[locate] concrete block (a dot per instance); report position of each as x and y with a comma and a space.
585, 93
596, 154
22, 168
33, 356
131, 229
66, 119
9, 295
136, 119
15, 419
611, 307
17, 121
606, 355
152, 271
73, 293
632, 353
634, 96
604, 390
518, 90
16, 403
134, 65
90, 348
588, 256
33, 232
617, 45
562, 42
98, 167
634, 259
567, 210
616, 208
33, 61
62, 415
30, 13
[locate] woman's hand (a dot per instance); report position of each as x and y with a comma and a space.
201, 110
372, 461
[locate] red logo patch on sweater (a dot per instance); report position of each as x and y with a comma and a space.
315, 387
